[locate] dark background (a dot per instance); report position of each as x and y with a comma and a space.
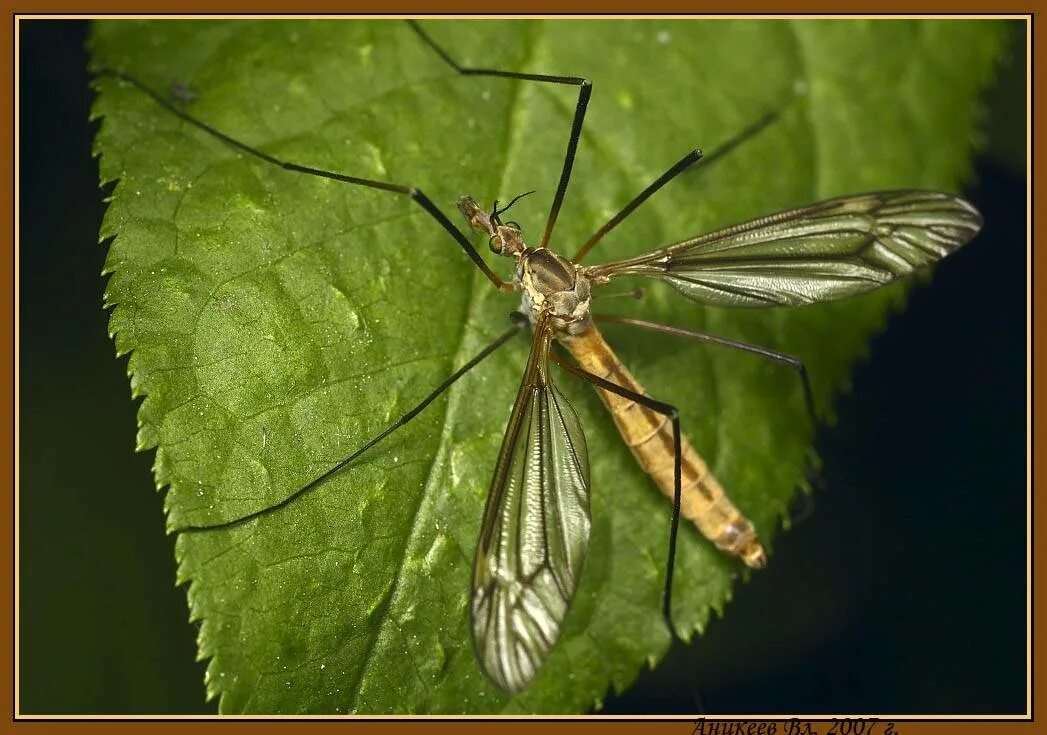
897, 590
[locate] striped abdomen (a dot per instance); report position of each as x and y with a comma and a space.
650, 437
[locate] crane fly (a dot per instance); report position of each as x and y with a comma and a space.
536, 523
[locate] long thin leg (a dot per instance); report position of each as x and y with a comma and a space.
416, 194
749, 131
584, 92
673, 415
782, 358
519, 322
775, 356
677, 168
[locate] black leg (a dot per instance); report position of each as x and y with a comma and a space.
780, 357
584, 92
666, 410
677, 168
416, 194
519, 322
748, 132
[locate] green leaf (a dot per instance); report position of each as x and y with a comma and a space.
276, 321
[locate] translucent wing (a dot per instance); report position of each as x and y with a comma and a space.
825, 251
535, 530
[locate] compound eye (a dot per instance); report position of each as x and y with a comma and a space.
495, 243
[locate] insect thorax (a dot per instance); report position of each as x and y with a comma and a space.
554, 285
549, 283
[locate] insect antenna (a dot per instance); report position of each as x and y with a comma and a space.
496, 212
585, 90
519, 322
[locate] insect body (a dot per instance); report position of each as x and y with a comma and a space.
536, 523
649, 435
559, 290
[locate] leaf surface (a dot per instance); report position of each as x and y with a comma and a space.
276, 321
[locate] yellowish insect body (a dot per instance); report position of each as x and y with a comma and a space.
650, 437
559, 290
